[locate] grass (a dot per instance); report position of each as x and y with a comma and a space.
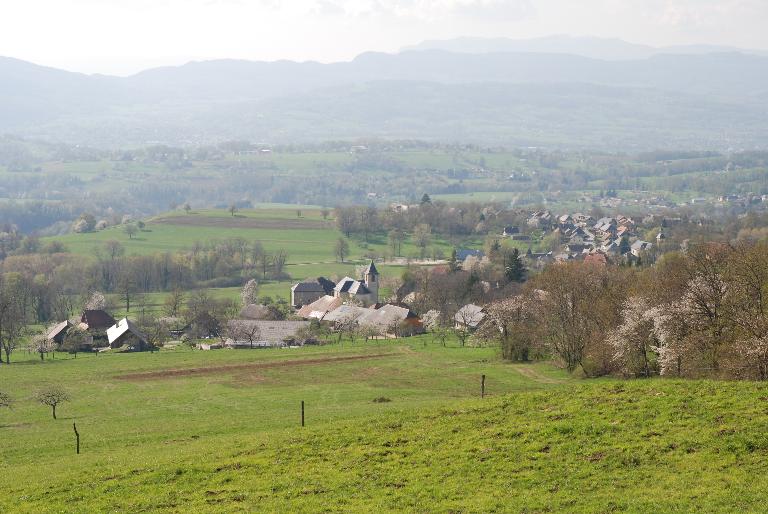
130, 423
231, 440
309, 242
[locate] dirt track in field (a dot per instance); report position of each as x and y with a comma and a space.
535, 375
232, 368
243, 222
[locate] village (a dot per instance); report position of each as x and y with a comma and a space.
358, 306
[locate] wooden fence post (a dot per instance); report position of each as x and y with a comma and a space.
302, 412
77, 437
482, 387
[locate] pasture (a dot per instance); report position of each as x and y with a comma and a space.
145, 410
182, 430
308, 239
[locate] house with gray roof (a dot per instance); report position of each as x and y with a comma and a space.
304, 293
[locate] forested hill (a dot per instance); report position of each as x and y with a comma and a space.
717, 100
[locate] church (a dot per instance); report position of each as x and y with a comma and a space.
364, 291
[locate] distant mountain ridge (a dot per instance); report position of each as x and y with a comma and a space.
708, 99
610, 49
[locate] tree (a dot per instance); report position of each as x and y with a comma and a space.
244, 330
341, 249
345, 220
453, 263
75, 339
232, 209
5, 400
514, 269
634, 340
114, 249
250, 293
13, 312
42, 345
624, 246
396, 238
187, 208
130, 230
52, 396
173, 303
298, 213
325, 213
425, 199
96, 301
278, 261
422, 236
265, 262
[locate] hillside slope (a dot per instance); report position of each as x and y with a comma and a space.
275, 102
644, 446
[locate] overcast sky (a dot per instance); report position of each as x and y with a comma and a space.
124, 36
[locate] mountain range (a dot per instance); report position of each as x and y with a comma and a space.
494, 92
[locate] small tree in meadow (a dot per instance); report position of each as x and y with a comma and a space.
52, 396
341, 249
130, 230
42, 345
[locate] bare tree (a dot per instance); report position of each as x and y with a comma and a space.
12, 312
232, 209
341, 249
52, 396
244, 330
422, 237
173, 303
279, 260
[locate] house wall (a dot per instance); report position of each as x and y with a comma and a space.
305, 298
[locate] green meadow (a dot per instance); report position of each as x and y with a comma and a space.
301, 231
390, 427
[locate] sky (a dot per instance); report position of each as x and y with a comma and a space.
121, 37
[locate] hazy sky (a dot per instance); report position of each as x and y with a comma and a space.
124, 36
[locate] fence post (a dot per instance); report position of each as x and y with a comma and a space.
482, 387
302, 412
77, 437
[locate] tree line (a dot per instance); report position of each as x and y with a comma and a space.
699, 313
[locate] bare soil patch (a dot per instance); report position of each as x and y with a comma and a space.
243, 222
233, 368
535, 375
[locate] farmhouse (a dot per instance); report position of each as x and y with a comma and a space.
59, 332
265, 333
96, 320
306, 292
469, 317
125, 333
387, 320
319, 308
259, 312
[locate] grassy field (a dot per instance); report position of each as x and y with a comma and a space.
183, 431
308, 239
134, 413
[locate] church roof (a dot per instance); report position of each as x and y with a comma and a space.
371, 269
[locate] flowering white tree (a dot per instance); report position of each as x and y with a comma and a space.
634, 341
97, 301
250, 293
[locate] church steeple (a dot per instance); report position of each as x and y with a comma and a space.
371, 279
